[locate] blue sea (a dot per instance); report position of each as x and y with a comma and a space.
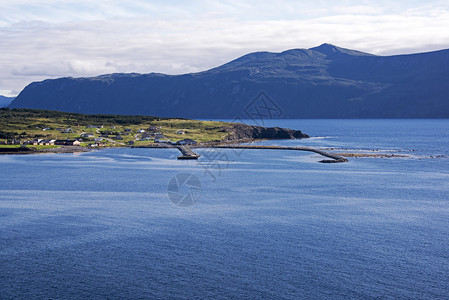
275, 224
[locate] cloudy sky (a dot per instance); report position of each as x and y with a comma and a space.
42, 39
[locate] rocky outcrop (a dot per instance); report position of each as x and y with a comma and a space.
238, 132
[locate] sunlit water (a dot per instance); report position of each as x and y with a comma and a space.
266, 223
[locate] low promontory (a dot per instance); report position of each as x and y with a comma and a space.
52, 129
239, 131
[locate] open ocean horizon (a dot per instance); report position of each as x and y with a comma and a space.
261, 224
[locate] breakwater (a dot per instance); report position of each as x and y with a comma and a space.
188, 153
333, 158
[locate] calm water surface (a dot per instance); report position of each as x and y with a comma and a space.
271, 224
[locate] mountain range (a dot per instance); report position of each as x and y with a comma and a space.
322, 82
5, 101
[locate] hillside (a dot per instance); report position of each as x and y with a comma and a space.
321, 82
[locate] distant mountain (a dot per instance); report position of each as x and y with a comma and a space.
5, 101
321, 82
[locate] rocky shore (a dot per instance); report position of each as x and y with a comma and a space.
237, 132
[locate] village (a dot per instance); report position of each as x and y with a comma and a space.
100, 136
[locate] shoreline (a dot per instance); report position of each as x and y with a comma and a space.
335, 157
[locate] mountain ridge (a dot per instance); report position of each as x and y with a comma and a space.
321, 82
5, 101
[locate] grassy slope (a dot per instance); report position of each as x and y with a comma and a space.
31, 122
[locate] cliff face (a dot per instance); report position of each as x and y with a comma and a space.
244, 132
322, 82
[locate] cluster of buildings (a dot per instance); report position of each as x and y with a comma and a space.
42, 142
10, 142
187, 142
152, 133
54, 142
155, 133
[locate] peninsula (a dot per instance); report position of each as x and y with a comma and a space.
43, 129
27, 131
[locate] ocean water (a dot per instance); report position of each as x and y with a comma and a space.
262, 224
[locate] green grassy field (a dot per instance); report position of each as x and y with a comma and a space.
29, 124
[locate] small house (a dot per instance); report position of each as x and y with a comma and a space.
36, 141
67, 142
46, 142
187, 142
161, 141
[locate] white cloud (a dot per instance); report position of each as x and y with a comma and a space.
48, 39
360, 10
8, 93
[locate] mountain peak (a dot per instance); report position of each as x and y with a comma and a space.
322, 82
332, 50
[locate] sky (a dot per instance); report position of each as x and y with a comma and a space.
42, 39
